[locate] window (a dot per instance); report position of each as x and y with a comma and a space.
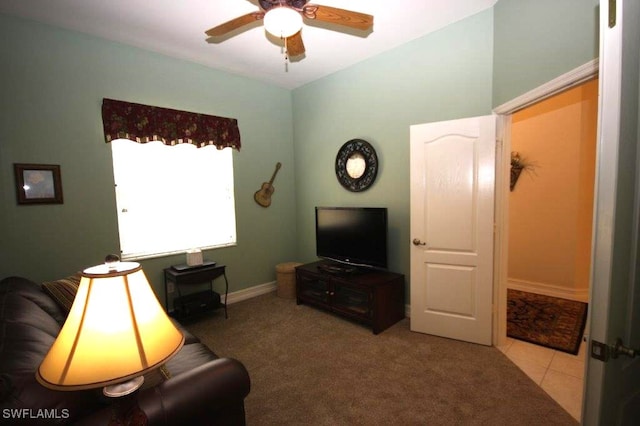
172, 198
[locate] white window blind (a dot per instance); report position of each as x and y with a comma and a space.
172, 198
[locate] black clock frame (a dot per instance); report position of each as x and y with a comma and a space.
363, 182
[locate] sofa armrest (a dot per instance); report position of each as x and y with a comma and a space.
212, 393
205, 394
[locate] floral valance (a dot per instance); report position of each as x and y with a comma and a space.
143, 123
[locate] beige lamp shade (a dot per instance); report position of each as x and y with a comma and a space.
116, 330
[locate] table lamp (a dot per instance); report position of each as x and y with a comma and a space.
116, 332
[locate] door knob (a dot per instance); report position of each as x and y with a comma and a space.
417, 242
620, 349
603, 352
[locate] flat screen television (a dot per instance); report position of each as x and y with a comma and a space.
355, 236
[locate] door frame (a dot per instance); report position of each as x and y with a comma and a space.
503, 159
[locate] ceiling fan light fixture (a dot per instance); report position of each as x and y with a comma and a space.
282, 21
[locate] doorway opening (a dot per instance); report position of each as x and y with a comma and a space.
551, 205
550, 216
505, 112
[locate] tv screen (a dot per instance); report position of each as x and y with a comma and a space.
352, 235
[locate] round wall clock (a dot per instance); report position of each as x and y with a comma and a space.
356, 165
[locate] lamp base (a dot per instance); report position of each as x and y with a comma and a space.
124, 388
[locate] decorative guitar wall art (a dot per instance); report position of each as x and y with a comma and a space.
263, 195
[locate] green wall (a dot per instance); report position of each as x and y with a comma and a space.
53, 83
463, 70
443, 76
539, 40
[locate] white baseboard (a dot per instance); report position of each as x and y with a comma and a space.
248, 293
580, 295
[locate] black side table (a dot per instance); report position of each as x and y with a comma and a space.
181, 275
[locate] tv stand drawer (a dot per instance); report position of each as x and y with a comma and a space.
313, 288
374, 298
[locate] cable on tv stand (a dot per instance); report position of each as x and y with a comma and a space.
333, 268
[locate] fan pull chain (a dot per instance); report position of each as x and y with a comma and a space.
286, 56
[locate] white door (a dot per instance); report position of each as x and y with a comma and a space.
452, 205
613, 387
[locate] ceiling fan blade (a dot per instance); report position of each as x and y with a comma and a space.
234, 24
333, 15
295, 46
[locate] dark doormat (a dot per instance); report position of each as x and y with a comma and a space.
547, 321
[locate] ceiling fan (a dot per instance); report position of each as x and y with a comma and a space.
283, 19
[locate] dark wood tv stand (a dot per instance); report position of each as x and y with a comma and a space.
372, 297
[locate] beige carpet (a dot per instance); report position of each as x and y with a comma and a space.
309, 367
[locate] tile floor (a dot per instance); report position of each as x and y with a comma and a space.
558, 373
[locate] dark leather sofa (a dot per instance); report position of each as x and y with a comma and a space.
203, 388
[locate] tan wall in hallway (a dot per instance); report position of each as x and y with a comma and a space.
551, 207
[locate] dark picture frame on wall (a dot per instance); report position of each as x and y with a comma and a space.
38, 183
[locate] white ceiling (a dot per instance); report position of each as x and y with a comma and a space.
176, 28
